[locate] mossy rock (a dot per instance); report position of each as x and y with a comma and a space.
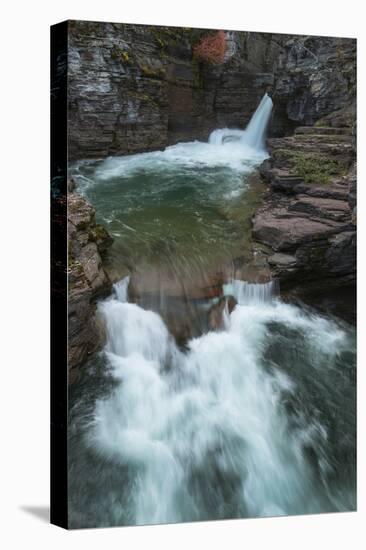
122, 55
152, 72
101, 237
313, 168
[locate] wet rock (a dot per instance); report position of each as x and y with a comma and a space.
100, 236
321, 207
352, 186
343, 118
283, 260
217, 313
71, 185
81, 214
87, 280
341, 254
287, 233
308, 217
339, 192
315, 81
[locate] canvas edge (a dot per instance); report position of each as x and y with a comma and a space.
58, 276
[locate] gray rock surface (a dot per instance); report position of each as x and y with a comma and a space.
135, 88
87, 279
308, 217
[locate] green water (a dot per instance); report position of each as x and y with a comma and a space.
162, 213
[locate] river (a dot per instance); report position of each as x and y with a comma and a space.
179, 420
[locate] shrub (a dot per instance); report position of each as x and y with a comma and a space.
211, 48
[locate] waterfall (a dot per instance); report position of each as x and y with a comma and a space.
252, 293
121, 289
252, 417
254, 134
204, 433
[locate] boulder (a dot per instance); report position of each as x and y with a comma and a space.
308, 217
216, 314
287, 233
320, 207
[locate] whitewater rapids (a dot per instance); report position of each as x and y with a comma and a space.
256, 419
207, 434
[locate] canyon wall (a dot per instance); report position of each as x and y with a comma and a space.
87, 279
134, 88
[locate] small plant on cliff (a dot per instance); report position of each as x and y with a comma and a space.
122, 55
316, 168
211, 48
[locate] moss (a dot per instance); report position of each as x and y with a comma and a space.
315, 168
97, 232
157, 101
160, 42
121, 55
168, 36
151, 72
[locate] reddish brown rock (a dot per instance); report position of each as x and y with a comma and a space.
287, 233
308, 225
217, 312
321, 207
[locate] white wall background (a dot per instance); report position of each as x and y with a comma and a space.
24, 272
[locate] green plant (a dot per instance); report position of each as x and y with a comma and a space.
315, 168
122, 55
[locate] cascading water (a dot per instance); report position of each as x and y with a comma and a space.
255, 418
246, 293
257, 127
254, 134
219, 431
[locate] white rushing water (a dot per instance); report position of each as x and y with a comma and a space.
238, 150
253, 137
213, 413
247, 293
233, 426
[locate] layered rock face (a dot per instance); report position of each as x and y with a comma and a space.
87, 279
134, 88
314, 77
307, 222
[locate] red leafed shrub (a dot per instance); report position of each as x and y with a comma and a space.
211, 48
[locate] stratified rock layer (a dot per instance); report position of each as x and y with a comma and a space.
133, 88
87, 280
308, 219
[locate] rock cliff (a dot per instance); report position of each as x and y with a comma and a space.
307, 221
134, 88
87, 279
315, 76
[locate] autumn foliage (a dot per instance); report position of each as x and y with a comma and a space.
211, 48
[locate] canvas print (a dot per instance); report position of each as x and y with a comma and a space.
204, 233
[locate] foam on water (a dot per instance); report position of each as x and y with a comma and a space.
246, 293
214, 412
237, 150
233, 426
